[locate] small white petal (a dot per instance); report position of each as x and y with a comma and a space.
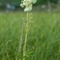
22, 5
34, 1
28, 9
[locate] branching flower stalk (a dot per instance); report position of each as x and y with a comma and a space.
26, 36
27, 5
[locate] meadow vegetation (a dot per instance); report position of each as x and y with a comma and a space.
43, 38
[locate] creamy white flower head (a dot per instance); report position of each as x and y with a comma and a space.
27, 4
28, 8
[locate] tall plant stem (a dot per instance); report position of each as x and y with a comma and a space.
26, 36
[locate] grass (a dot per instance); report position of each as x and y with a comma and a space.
43, 38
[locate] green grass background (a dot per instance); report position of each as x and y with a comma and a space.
43, 38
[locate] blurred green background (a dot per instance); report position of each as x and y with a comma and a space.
44, 30
38, 1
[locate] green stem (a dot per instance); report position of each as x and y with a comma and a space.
25, 41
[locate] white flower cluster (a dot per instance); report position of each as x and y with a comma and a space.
27, 4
